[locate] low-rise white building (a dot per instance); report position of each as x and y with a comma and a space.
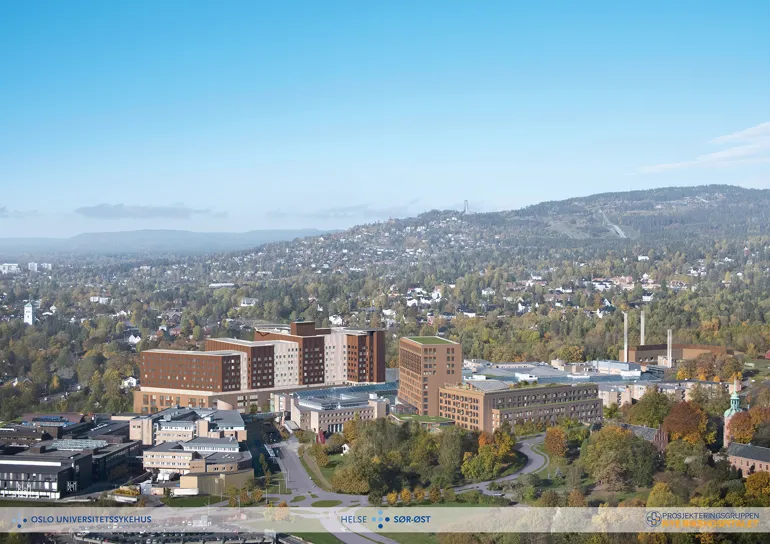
330, 413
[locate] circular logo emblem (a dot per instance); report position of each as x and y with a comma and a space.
653, 519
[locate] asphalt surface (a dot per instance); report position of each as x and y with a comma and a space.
301, 483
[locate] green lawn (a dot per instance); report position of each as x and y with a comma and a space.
299, 498
325, 504
314, 475
761, 369
429, 340
543, 471
200, 500
277, 484
313, 496
519, 461
334, 462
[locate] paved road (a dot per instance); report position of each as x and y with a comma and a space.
301, 483
535, 462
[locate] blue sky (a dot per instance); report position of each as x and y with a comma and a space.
236, 116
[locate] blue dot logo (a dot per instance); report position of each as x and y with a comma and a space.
380, 518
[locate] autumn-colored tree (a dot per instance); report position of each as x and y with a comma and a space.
549, 499
351, 427
256, 495
687, 421
758, 487
572, 354
661, 495
651, 538
612, 474
705, 366
686, 369
486, 439
484, 465
392, 498
556, 441
319, 454
419, 495
504, 444
740, 428
759, 415
405, 496
434, 494
576, 498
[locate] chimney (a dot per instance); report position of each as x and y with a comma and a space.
641, 342
668, 350
625, 337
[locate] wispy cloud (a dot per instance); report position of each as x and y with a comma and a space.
5, 213
749, 146
123, 211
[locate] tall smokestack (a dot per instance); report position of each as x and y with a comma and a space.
668, 350
642, 327
625, 337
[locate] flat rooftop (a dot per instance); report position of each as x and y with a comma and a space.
422, 419
429, 340
471, 385
216, 353
204, 440
336, 392
488, 385
250, 343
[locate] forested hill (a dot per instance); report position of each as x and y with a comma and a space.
668, 214
693, 222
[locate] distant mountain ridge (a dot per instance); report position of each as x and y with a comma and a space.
652, 216
152, 241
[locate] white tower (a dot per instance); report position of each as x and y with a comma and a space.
29, 314
625, 337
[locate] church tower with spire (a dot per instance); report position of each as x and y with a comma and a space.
735, 407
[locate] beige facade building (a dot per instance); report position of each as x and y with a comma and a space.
426, 363
484, 405
615, 394
329, 414
199, 455
215, 483
184, 424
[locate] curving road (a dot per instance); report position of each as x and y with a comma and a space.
535, 462
301, 483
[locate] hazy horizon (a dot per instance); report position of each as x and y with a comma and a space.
255, 116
